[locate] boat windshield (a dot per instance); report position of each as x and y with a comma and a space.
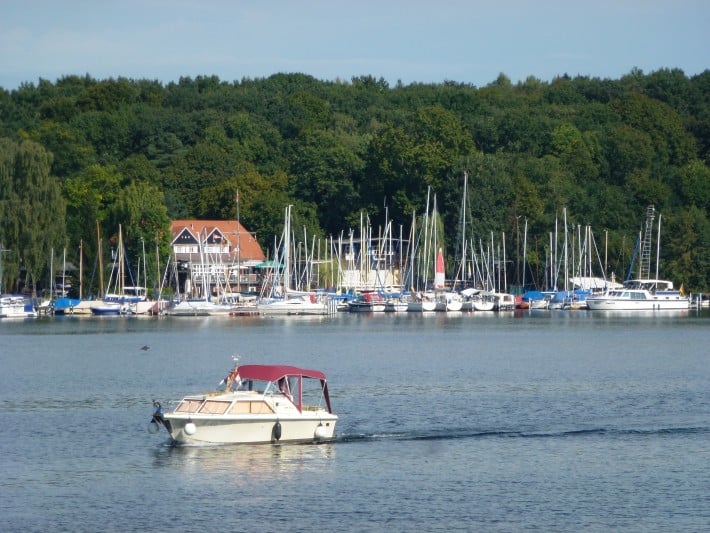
254, 385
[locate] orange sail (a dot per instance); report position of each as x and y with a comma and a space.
439, 277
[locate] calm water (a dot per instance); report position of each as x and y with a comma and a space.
551, 422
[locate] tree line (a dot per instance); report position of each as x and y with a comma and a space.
81, 152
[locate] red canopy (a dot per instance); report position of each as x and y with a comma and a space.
274, 372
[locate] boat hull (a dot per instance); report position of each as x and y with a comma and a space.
483, 305
616, 304
448, 301
422, 306
396, 307
198, 308
292, 308
367, 307
254, 429
106, 309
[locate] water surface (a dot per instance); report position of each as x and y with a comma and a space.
546, 421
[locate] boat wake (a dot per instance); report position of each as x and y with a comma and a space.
481, 434
463, 433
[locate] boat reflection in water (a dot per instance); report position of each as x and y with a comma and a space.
251, 462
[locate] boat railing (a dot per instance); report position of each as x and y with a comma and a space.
313, 408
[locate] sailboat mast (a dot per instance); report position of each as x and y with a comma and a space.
64, 272
658, 245
120, 280
145, 270
505, 271
51, 273
287, 249
81, 269
101, 260
1, 252
425, 256
525, 247
157, 266
564, 211
239, 250
411, 249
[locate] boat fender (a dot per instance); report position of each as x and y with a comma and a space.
320, 432
190, 428
276, 432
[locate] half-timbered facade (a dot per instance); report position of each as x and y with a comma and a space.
219, 254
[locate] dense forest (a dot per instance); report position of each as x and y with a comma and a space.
82, 155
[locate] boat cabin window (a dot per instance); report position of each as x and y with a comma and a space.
253, 385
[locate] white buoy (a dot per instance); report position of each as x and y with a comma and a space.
190, 428
320, 432
153, 427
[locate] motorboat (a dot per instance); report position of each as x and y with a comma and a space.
640, 295
295, 303
256, 404
106, 308
368, 302
16, 306
198, 307
643, 293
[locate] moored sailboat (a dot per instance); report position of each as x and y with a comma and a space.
282, 299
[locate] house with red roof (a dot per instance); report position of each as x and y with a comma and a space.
217, 254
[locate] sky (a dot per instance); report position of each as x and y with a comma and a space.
407, 41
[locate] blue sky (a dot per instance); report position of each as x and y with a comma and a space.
398, 40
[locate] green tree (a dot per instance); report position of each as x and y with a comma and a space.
573, 150
627, 150
141, 212
686, 248
90, 196
695, 184
671, 142
32, 211
322, 172
74, 151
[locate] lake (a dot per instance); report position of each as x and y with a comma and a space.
552, 421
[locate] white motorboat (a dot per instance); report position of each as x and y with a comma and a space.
16, 306
258, 404
640, 295
295, 303
643, 293
198, 307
